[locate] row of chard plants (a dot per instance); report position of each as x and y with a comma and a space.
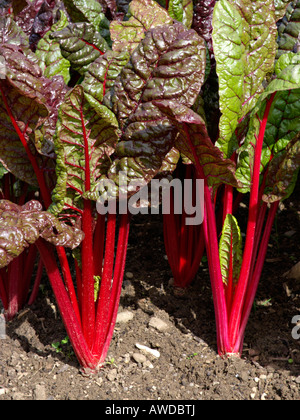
89, 89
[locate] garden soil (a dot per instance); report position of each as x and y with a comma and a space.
37, 364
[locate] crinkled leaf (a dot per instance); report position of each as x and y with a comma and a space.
192, 130
283, 172
24, 73
280, 8
80, 44
244, 38
168, 64
42, 23
25, 18
289, 29
101, 74
109, 6
48, 51
89, 11
55, 92
11, 33
202, 21
22, 109
231, 250
83, 143
85, 11
286, 60
145, 15
182, 10
170, 161
282, 126
21, 226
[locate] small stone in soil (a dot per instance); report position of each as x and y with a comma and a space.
112, 374
124, 317
139, 358
40, 392
158, 324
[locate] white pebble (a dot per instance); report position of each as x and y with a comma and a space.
154, 353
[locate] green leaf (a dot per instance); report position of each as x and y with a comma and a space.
80, 44
230, 250
48, 51
83, 143
3, 171
283, 172
289, 29
182, 10
282, 126
244, 38
145, 15
85, 11
101, 75
280, 8
21, 226
171, 57
286, 60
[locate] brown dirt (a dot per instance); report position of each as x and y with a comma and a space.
189, 367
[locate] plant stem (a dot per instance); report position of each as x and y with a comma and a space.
69, 317
102, 317
238, 302
30, 258
212, 248
37, 282
3, 294
227, 201
88, 305
253, 285
14, 292
99, 241
117, 283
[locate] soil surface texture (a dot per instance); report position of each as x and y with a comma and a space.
37, 363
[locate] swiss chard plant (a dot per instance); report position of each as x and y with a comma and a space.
258, 138
95, 94
68, 138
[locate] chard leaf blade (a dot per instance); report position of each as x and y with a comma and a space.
23, 109
230, 250
81, 44
192, 130
48, 51
21, 226
244, 38
169, 56
283, 172
282, 126
83, 143
145, 15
